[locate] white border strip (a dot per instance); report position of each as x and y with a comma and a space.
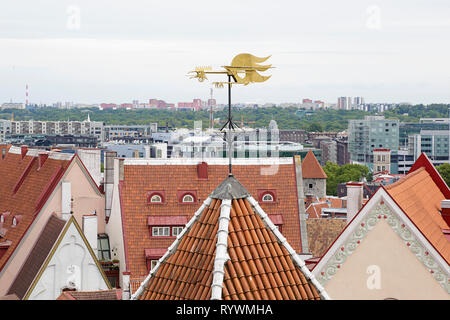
210, 161
295, 257
221, 251
171, 249
381, 194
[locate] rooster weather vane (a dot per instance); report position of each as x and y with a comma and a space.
244, 69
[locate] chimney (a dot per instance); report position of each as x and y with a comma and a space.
354, 199
90, 231
445, 205
109, 180
42, 156
23, 151
66, 200
202, 171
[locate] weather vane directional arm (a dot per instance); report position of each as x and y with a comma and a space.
244, 69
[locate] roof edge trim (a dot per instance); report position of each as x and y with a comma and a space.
221, 251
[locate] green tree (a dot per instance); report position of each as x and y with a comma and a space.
444, 171
315, 127
339, 174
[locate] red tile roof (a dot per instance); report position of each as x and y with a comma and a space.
256, 263
420, 198
114, 294
28, 198
139, 179
311, 168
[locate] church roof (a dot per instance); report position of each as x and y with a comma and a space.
230, 250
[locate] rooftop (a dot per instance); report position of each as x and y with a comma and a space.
230, 250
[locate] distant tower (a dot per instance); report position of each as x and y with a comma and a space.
26, 95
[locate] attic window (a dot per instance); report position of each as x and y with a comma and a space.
156, 197
267, 196
188, 198
16, 220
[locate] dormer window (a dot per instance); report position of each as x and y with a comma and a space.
156, 197
16, 220
267, 196
2, 218
188, 198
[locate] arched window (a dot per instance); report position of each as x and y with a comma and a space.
15, 222
188, 198
267, 198
156, 199
2, 218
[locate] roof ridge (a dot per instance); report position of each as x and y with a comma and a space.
221, 250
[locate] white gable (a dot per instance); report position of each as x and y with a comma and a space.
71, 265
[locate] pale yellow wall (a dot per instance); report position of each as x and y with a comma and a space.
402, 274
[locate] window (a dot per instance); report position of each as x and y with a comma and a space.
153, 263
188, 198
176, 231
310, 186
2, 219
156, 198
103, 247
160, 231
267, 198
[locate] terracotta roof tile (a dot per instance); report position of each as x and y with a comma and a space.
114, 294
254, 270
420, 198
34, 189
311, 168
139, 179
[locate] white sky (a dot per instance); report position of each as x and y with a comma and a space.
117, 51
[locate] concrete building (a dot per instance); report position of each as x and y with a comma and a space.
381, 160
373, 132
86, 127
435, 143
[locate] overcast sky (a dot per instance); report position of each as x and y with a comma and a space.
117, 51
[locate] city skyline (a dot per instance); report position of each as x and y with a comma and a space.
94, 52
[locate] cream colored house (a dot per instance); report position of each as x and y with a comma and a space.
397, 245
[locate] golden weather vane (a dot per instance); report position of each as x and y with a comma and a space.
244, 69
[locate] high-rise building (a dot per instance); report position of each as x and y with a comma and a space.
373, 132
435, 143
344, 103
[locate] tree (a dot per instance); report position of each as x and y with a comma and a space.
339, 174
444, 171
315, 127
